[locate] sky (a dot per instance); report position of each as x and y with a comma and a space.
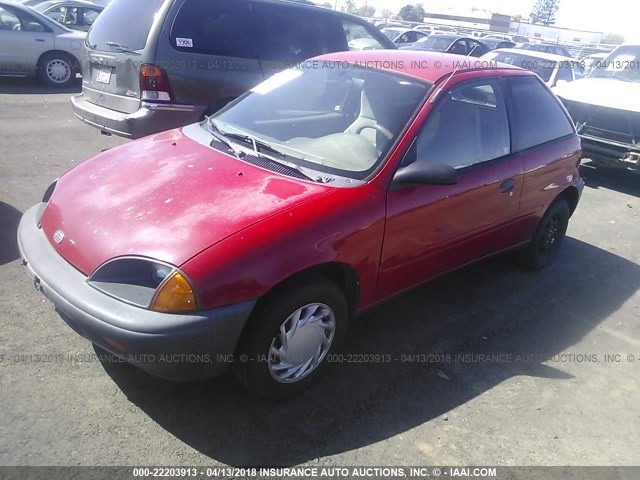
618, 16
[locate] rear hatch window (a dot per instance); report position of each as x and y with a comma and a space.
124, 22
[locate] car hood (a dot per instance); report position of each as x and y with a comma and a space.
603, 92
166, 197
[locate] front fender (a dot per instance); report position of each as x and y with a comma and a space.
346, 226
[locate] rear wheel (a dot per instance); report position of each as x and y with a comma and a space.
58, 69
287, 343
547, 238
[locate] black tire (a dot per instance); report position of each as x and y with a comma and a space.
548, 237
253, 359
58, 69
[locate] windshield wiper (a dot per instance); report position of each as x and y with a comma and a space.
122, 48
219, 136
259, 145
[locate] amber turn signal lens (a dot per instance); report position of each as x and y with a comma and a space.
174, 295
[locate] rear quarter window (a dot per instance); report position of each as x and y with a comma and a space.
536, 116
126, 22
291, 33
221, 27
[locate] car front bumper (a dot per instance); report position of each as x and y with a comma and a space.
171, 346
149, 119
613, 154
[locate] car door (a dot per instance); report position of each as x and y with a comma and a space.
23, 39
431, 229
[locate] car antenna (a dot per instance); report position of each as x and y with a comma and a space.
446, 82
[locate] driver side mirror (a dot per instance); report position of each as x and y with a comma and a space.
424, 172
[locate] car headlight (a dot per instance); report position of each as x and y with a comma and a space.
145, 283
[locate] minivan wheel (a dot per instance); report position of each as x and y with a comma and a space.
289, 339
57, 69
547, 238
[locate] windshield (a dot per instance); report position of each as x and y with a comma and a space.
340, 120
436, 43
541, 67
623, 64
124, 22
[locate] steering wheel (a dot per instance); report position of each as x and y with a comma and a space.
377, 127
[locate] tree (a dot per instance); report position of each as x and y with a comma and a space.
516, 18
412, 13
386, 13
326, 5
613, 39
544, 12
367, 11
350, 7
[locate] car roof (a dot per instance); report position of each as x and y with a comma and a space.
402, 61
534, 53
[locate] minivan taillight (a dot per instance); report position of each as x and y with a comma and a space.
154, 84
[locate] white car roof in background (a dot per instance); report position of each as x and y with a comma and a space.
534, 54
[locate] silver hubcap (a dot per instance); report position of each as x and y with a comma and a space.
302, 343
58, 71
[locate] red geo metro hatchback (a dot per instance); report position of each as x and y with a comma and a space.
248, 241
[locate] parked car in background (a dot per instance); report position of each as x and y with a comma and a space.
446, 29
495, 43
251, 239
519, 39
158, 64
444, 42
497, 36
590, 62
428, 29
32, 44
605, 107
545, 48
401, 36
552, 69
73, 14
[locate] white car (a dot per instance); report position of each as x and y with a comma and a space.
592, 61
552, 69
33, 44
400, 36
605, 107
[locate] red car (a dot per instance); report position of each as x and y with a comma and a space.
250, 239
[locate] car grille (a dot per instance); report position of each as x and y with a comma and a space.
606, 123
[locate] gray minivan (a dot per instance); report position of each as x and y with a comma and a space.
153, 65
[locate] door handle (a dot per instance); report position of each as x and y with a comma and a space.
40, 40
507, 186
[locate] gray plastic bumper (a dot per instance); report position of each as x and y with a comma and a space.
171, 346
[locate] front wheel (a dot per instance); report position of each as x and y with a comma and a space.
58, 69
547, 238
287, 342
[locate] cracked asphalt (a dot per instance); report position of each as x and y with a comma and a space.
491, 365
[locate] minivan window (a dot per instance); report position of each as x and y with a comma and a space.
125, 22
221, 28
290, 35
358, 35
537, 115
